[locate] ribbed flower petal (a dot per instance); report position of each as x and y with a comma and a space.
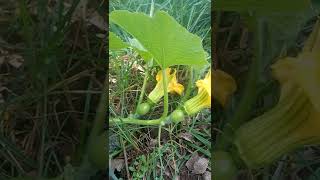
304, 71
224, 86
202, 99
173, 86
295, 121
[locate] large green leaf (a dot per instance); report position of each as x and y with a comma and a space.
115, 43
166, 40
136, 45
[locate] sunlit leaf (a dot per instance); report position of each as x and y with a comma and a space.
115, 43
136, 45
166, 40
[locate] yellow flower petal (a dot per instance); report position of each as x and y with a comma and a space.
159, 74
173, 85
295, 118
303, 71
224, 86
205, 83
202, 99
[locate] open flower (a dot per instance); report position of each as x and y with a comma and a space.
173, 86
295, 121
202, 99
224, 86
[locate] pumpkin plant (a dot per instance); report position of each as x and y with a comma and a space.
163, 43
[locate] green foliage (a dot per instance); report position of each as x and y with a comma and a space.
168, 42
115, 42
139, 167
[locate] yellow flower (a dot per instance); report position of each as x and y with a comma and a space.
202, 99
295, 121
173, 86
224, 86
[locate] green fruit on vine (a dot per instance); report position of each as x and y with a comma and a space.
177, 116
224, 166
143, 108
97, 152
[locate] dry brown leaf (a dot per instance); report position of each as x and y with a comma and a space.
80, 11
200, 166
98, 21
101, 36
192, 160
153, 143
186, 136
117, 164
137, 67
15, 60
206, 175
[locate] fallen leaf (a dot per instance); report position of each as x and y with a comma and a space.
15, 60
200, 166
117, 164
80, 11
186, 136
101, 36
137, 67
153, 143
98, 21
192, 160
206, 175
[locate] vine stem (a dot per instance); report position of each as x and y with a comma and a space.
136, 121
143, 89
164, 116
101, 113
159, 149
165, 95
147, 66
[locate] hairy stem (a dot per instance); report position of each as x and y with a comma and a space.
189, 87
143, 89
136, 121
165, 99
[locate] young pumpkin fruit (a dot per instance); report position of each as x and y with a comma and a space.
143, 108
177, 116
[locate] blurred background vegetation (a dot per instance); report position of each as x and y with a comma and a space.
52, 71
251, 36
